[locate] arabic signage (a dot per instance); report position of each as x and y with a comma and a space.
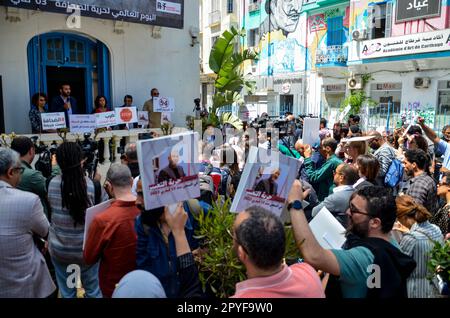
52, 121
408, 10
80, 124
155, 12
408, 44
105, 119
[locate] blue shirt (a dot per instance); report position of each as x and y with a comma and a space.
444, 147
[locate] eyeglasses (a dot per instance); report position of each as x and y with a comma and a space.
354, 210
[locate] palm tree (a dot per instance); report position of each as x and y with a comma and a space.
230, 80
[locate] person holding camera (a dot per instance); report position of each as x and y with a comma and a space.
32, 180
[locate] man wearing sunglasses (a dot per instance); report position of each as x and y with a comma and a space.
369, 265
154, 118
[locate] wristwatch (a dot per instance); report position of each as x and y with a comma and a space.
297, 205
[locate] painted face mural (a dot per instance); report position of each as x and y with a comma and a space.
281, 44
285, 14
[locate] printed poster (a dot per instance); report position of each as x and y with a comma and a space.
126, 115
80, 124
51, 121
106, 119
168, 169
163, 104
266, 181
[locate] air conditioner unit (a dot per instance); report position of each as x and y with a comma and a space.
355, 82
253, 7
422, 82
360, 35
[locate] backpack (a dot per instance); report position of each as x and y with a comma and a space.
394, 174
224, 181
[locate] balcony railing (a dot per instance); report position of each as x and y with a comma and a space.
214, 17
334, 54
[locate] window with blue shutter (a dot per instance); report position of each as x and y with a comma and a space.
335, 31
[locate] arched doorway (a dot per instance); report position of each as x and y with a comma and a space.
54, 58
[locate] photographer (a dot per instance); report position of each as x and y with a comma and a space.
32, 180
197, 109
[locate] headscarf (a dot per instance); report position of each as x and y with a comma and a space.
139, 284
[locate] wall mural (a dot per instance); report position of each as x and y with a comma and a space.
281, 33
318, 49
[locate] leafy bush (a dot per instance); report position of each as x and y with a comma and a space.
439, 263
219, 267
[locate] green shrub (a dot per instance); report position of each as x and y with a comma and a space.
219, 268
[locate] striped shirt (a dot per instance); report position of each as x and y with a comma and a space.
66, 239
418, 243
385, 155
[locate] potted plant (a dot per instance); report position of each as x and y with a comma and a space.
439, 266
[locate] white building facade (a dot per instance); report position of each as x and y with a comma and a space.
98, 56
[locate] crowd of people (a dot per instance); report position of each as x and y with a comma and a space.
391, 192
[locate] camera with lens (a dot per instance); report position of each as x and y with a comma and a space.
44, 162
90, 154
260, 122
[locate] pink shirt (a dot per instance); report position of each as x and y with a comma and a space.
295, 281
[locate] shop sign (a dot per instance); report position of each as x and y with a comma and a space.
410, 10
335, 88
388, 86
408, 44
155, 12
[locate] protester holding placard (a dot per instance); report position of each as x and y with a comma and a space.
372, 214
259, 242
112, 238
38, 106
156, 246
154, 118
101, 105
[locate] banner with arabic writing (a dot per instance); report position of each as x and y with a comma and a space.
407, 44
155, 12
409, 10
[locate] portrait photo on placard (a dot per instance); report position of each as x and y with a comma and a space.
168, 169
